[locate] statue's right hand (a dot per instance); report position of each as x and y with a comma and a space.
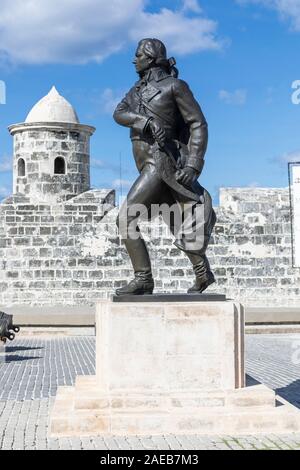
158, 132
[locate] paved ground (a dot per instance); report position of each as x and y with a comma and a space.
35, 366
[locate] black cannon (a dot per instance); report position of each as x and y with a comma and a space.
7, 328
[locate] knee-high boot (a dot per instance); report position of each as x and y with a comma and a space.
143, 281
204, 276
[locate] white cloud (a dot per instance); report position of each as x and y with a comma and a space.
76, 31
285, 158
113, 168
98, 163
237, 97
104, 165
183, 35
5, 164
290, 157
2, 92
4, 191
109, 99
191, 5
287, 9
120, 183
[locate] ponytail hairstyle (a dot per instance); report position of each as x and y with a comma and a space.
156, 50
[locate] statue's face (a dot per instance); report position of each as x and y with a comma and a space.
141, 61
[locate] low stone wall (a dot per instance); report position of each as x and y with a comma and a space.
53, 254
71, 253
252, 248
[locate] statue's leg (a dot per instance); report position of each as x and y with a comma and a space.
203, 274
136, 207
193, 236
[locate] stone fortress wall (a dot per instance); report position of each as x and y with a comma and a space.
59, 243
70, 253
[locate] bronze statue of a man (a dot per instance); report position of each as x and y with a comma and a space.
169, 137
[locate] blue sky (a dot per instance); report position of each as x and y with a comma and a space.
240, 58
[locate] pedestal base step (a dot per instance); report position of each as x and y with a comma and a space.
84, 411
170, 298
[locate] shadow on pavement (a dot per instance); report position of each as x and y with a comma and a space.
17, 358
291, 393
250, 381
10, 349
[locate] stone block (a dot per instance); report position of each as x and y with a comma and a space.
85, 410
152, 338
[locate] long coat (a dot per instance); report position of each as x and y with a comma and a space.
170, 101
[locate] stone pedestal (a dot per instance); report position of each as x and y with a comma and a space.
169, 368
169, 347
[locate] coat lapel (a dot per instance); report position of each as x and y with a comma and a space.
149, 92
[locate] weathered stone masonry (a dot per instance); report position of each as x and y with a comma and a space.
51, 152
70, 253
59, 243
39, 147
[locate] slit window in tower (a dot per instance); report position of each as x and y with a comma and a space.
59, 166
21, 167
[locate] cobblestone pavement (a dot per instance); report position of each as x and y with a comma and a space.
35, 366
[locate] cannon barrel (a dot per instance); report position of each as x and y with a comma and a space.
7, 328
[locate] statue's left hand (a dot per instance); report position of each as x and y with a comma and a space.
187, 176
158, 131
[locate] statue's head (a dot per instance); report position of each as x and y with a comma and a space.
151, 53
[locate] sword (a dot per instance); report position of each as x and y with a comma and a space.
166, 166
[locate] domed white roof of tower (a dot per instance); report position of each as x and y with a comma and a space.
53, 108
